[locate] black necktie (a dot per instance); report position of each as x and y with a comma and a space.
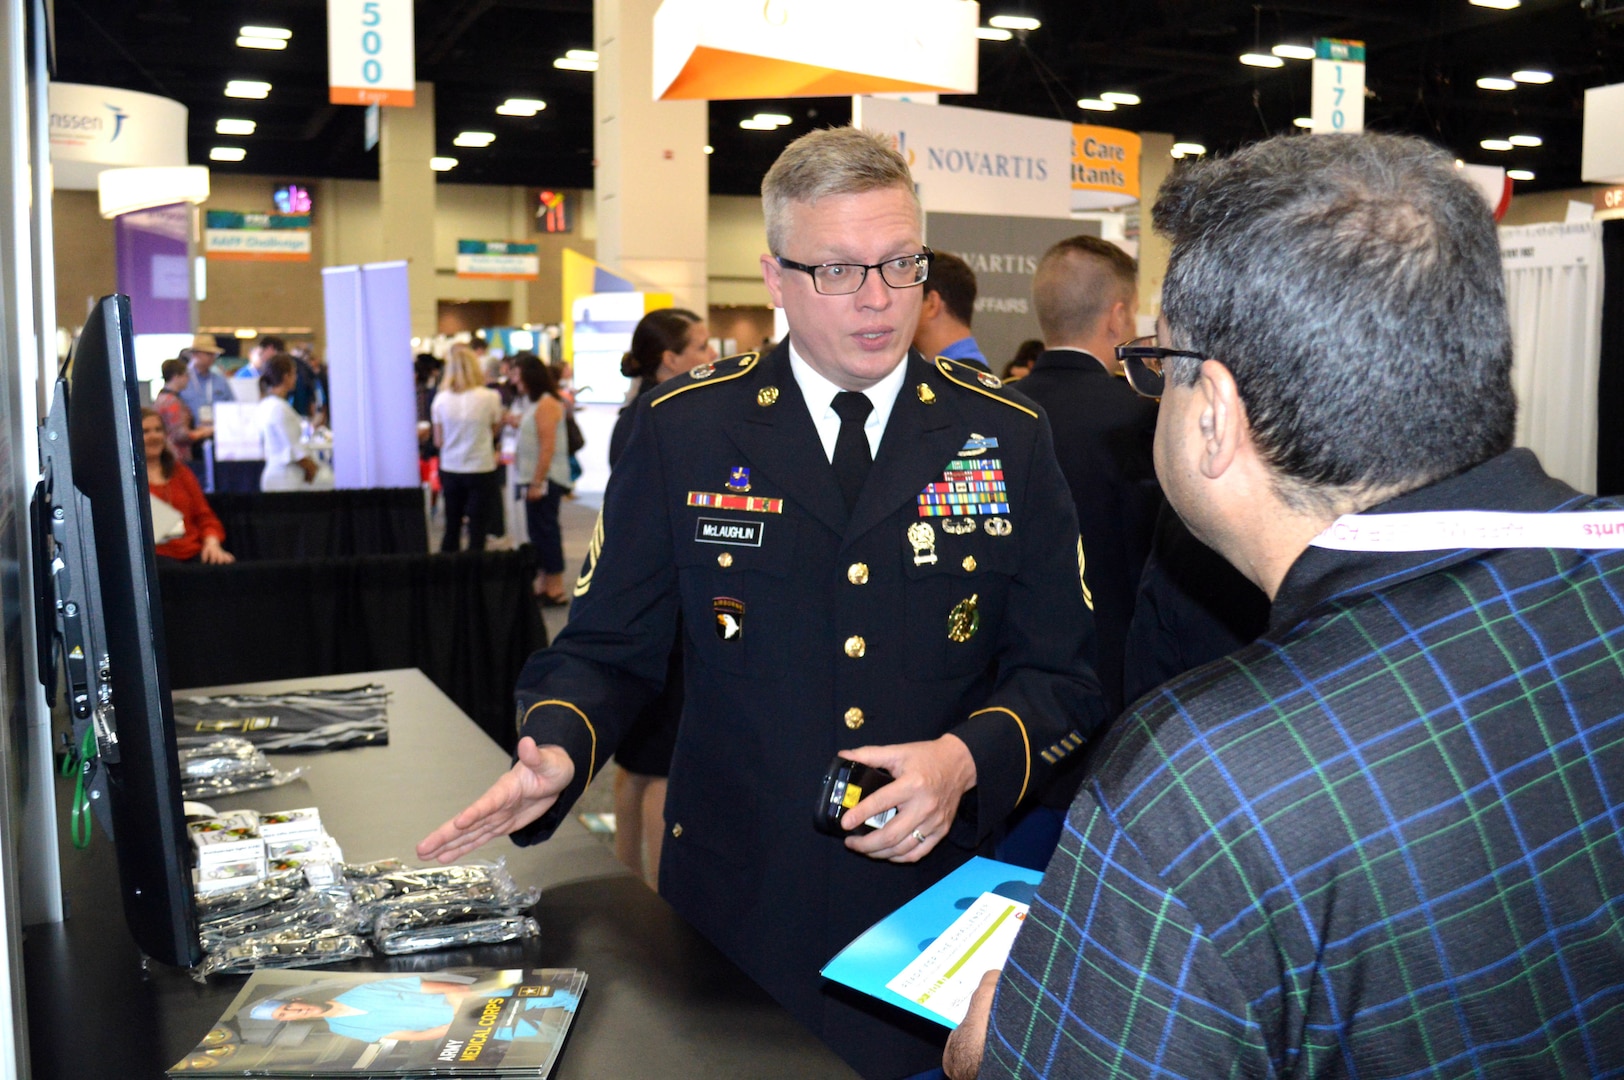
852, 457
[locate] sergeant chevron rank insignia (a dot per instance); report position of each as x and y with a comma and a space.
729, 618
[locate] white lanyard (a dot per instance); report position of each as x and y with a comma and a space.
1452, 530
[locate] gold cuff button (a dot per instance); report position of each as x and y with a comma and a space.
856, 647
854, 718
857, 573
676, 830
969, 563
725, 560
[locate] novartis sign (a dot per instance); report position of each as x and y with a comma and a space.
98, 127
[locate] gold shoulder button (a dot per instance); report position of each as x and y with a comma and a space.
984, 383
711, 374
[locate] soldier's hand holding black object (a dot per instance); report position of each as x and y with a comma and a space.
519, 796
931, 778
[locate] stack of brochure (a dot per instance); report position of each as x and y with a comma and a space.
464, 1022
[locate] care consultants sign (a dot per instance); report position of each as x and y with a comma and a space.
972, 161
1104, 167
370, 57
96, 127
265, 237
498, 260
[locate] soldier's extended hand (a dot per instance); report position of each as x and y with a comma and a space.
931, 778
519, 796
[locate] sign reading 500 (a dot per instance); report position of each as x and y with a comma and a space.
370, 52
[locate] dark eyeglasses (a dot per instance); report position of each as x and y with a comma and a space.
1142, 362
843, 279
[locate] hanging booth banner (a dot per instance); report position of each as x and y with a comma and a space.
228, 234
497, 260
1338, 95
1104, 167
974, 161
371, 59
93, 128
726, 49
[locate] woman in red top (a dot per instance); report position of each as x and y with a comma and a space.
178, 487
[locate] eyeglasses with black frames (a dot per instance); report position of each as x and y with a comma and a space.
1143, 361
843, 279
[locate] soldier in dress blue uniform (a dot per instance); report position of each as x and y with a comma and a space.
921, 611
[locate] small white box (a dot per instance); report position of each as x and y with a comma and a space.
290, 824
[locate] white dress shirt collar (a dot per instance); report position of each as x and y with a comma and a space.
820, 393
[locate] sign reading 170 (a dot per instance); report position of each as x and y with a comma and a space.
370, 52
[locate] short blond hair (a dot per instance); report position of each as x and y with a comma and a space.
461, 370
830, 161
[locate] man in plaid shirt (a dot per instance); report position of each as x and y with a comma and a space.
1386, 839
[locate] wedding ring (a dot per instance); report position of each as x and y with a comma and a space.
917, 835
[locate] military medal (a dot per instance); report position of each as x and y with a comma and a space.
959, 526
703, 371
976, 445
739, 478
964, 620
998, 526
969, 487
766, 396
923, 540
990, 381
753, 504
729, 618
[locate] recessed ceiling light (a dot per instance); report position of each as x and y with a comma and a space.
753, 124
1501, 5
1116, 97
474, 138
581, 54
516, 106
1519, 174
1303, 121
234, 127
1526, 140
710, 149
575, 65
1014, 22
1253, 59
1495, 82
247, 88
265, 32
1294, 52
227, 153
773, 118
246, 42
442, 164
1188, 149
1495, 144
1094, 104
1532, 75
992, 33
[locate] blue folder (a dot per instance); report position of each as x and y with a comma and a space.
891, 944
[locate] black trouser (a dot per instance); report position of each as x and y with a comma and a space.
467, 495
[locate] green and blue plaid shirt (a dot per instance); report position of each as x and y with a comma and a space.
1385, 840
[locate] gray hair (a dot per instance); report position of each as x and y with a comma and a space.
1352, 285
830, 161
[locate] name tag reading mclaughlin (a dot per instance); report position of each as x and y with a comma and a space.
1452, 530
729, 531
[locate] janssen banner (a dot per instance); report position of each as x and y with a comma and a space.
93, 128
972, 161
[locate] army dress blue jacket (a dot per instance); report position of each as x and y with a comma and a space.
949, 600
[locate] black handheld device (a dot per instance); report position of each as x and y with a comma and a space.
845, 784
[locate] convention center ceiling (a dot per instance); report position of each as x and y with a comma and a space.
1180, 58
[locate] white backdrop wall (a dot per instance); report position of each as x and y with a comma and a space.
1553, 290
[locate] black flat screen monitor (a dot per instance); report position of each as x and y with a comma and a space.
100, 589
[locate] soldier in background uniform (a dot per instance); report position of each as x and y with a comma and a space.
872, 555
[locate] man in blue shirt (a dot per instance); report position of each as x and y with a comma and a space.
205, 387
948, 307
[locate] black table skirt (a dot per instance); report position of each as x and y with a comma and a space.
468, 621
323, 524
